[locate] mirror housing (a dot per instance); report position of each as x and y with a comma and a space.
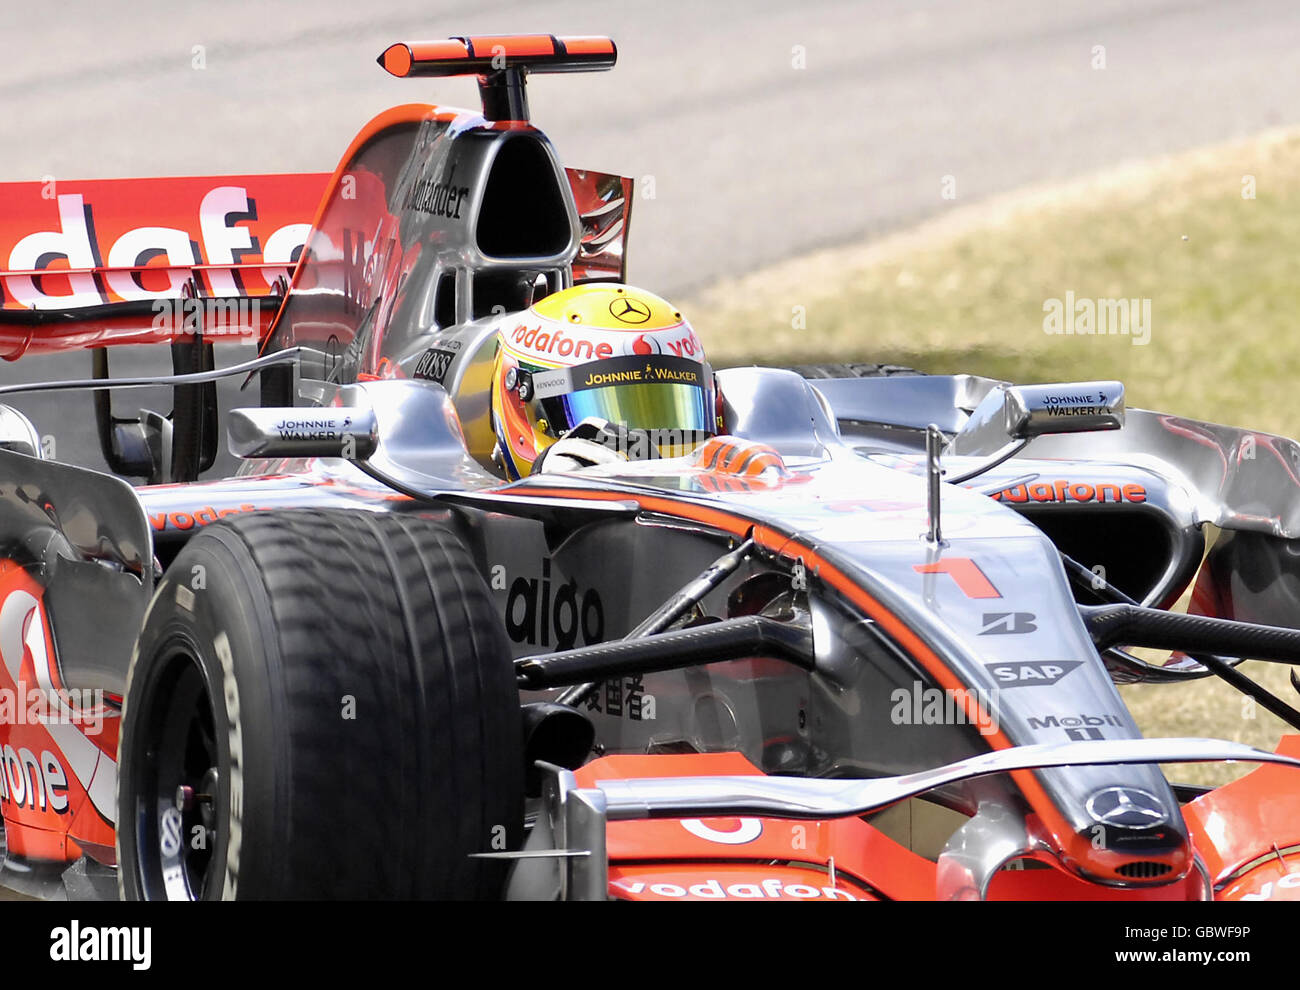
295, 431
1012, 413
18, 434
1037, 410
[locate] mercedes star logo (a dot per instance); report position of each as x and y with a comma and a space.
629, 310
1126, 807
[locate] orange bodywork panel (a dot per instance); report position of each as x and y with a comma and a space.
1248, 832
58, 748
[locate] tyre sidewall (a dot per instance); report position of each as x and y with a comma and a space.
220, 616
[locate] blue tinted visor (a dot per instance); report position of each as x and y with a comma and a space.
654, 393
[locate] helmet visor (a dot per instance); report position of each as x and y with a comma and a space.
669, 396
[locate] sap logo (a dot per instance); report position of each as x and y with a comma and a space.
1008, 623
1021, 673
33, 783
540, 614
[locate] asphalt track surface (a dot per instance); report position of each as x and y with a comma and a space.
766, 127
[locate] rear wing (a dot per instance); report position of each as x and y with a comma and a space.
101, 262
195, 261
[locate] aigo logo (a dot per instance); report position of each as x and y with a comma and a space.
541, 612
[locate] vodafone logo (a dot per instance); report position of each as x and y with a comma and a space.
1063, 490
575, 344
103, 229
679, 342
769, 888
642, 345
41, 781
747, 830
559, 342
1290, 881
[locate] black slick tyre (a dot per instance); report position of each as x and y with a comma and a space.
321, 705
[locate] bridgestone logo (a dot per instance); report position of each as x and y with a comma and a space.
221, 646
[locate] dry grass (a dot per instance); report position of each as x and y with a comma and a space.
966, 292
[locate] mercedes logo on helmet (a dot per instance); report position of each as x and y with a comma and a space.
1126, 807
628, 310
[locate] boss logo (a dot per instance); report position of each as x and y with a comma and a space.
434, 364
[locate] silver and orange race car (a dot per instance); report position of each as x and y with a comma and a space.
860, 642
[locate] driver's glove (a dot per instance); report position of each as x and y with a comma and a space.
593, 441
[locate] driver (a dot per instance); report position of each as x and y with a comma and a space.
596, 373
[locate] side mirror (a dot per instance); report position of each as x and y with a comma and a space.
1037, 410
1018, 413
303, 432
18, 434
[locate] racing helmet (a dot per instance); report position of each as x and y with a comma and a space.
606, 351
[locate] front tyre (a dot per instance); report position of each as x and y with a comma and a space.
321, 705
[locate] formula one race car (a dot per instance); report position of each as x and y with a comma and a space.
513, 595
